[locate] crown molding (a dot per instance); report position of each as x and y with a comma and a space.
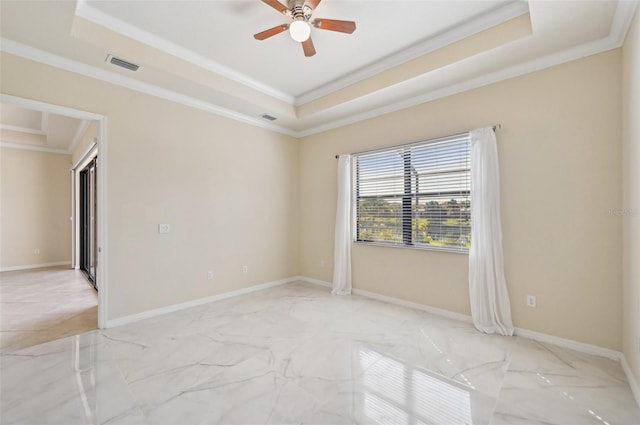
486, 20
80, 130
37, 55
474, 83
473, 26
625, 11
22, 129
46, 107
90, 13
620, 25
622, 20
33, 148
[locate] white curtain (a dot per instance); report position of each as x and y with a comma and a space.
342, 250
490, 306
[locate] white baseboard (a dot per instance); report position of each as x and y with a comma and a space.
525, 333
569, 343
200, 301
633, 383
433, 310
397, 301
314, 281
34, 266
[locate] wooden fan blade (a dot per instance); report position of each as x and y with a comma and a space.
312, 3
308, 48
271, 32
276, 5
334, 25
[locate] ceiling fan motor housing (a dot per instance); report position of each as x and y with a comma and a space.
299, 11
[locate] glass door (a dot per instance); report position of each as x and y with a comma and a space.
88, 222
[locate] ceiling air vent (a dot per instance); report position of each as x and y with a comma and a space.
122, 63
268, 117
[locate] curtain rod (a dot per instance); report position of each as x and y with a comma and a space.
494, 128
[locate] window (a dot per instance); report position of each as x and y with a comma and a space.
415, 195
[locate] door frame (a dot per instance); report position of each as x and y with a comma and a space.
89, 155
103, 260
87, 181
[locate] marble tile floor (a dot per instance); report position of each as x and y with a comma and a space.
42, 305
295, 354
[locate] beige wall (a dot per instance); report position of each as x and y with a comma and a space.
236, 194
35, 199
631, 196
228, 190
560, 152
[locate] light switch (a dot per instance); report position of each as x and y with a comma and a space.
164, 228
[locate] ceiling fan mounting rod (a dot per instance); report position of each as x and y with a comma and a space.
299, 10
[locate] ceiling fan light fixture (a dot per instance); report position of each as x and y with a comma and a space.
300, 30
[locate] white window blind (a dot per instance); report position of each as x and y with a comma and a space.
415, 195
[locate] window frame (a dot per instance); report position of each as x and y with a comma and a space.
407, 214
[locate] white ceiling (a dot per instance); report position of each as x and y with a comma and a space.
37, 130
203, 54
222, 31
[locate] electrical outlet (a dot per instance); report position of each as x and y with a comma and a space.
164, 228
531, 301
36, 251
210, 275
245, 269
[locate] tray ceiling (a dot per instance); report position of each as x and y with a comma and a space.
202, 53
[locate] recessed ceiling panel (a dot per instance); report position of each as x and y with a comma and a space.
222, 31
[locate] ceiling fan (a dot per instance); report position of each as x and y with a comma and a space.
300, 12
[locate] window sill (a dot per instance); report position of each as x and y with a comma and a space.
417, 247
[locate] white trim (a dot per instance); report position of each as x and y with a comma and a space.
88, 155
34, 266
35, 148
525, 333
194, 303
80, 131
480, 23
621, 21
633, 383
433, 310
74, 260
397, 301
554, 59
42, 106
103, 226
314, 281
44, 122
625, 11
23, 129
37, 55
90, 13
47, 107
569, 343
102, 278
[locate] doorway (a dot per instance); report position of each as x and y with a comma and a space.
97, 243
88, 221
